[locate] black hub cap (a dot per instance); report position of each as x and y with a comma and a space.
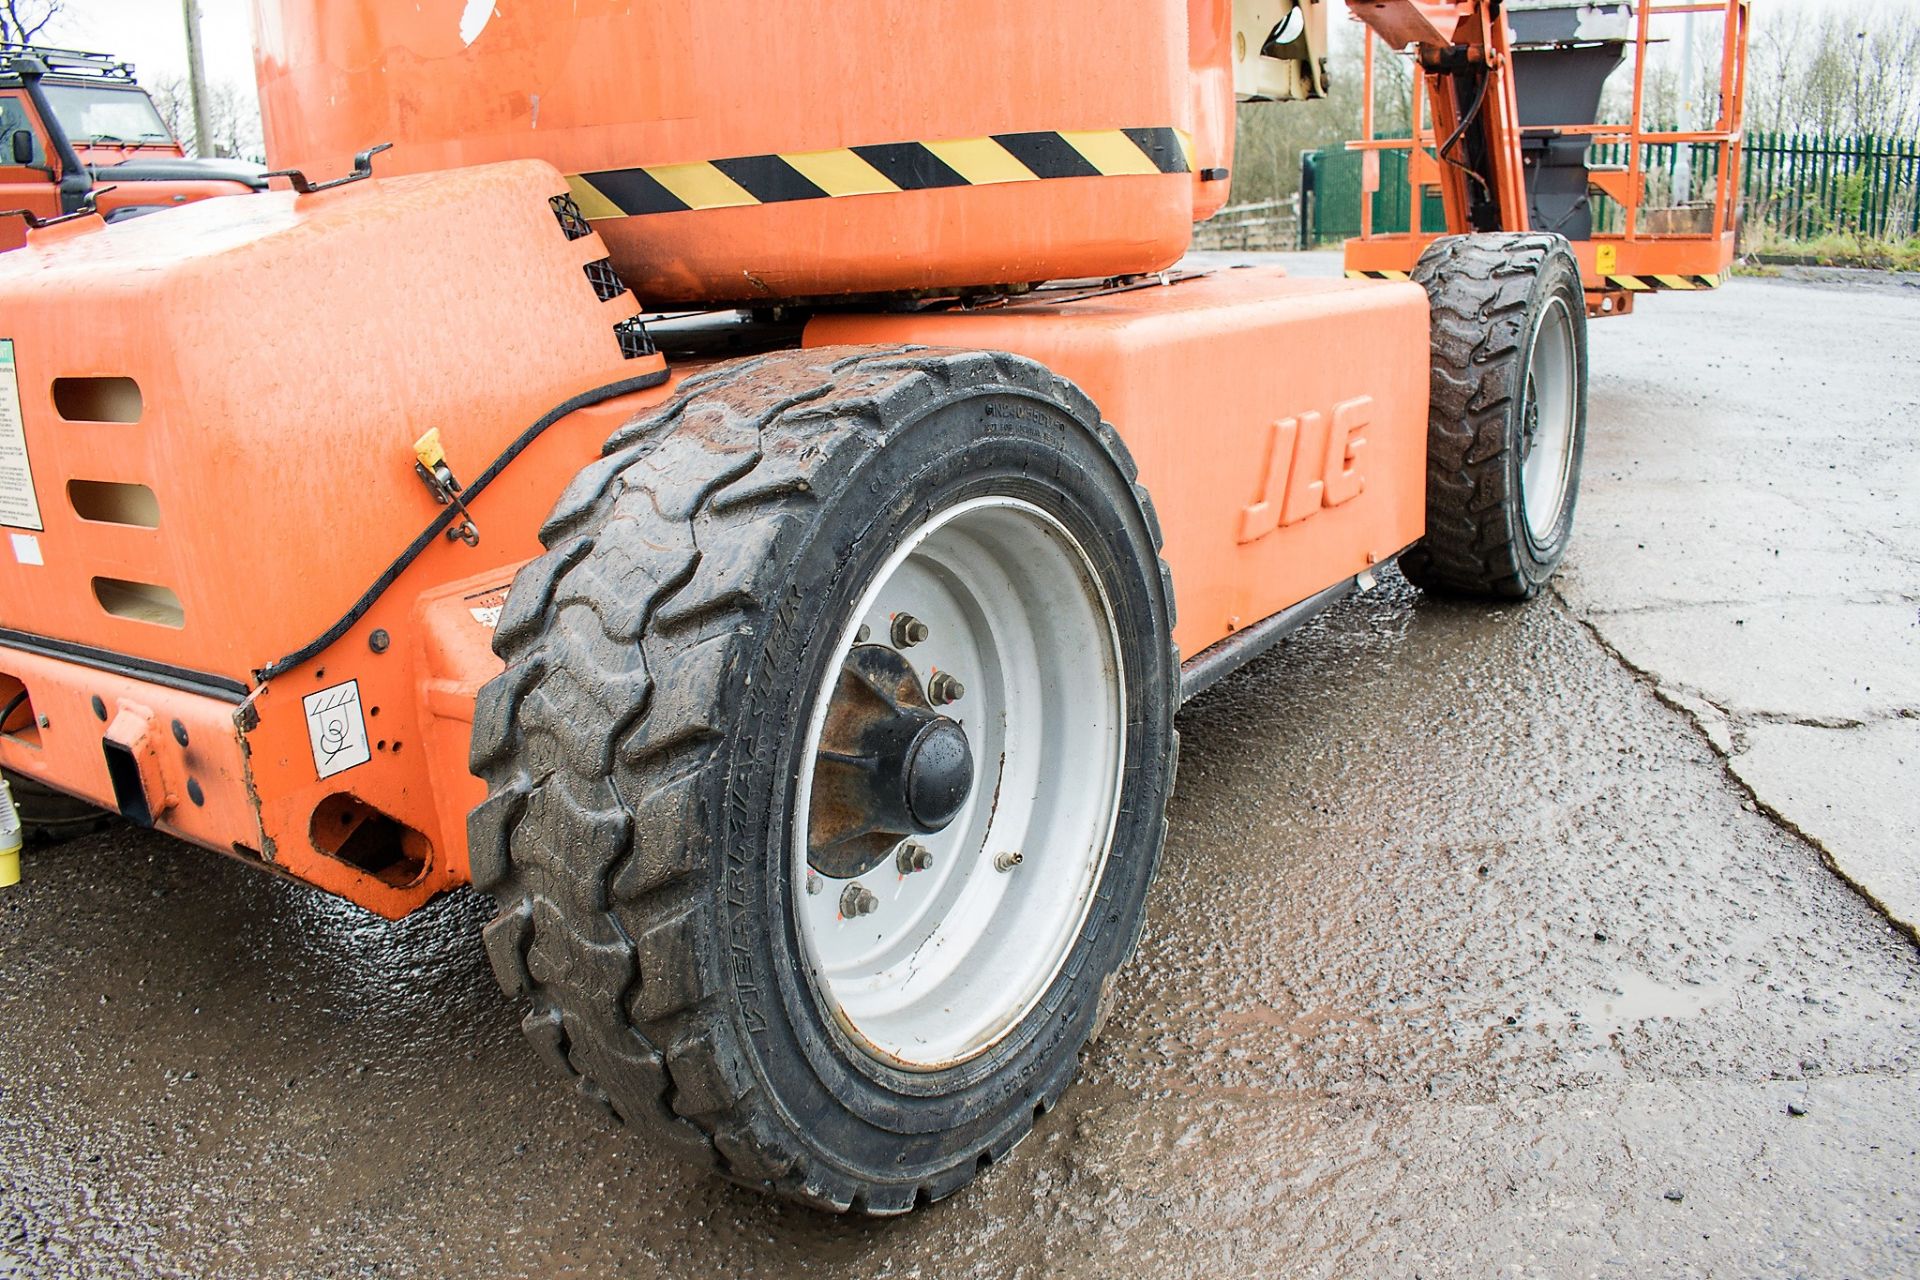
889, 766
937, 774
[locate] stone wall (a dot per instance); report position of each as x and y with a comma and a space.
1270, 226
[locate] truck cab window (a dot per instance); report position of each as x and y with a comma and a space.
14, 119
93, 113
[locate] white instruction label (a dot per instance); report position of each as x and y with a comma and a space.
26, 549
486, 607
18, 506
337, 728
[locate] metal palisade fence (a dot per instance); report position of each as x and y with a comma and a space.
1803, 186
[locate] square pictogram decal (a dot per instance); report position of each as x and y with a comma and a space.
337, 728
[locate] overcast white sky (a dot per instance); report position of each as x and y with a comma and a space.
149, 33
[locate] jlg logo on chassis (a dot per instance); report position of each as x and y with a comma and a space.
1310, 465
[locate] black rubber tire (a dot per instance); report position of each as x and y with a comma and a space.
50, 817
638, 753
1488, 294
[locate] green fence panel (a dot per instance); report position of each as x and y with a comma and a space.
1335, 214
1804, 186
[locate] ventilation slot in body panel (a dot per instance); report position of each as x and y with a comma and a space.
110, 502
97, 399
140, 601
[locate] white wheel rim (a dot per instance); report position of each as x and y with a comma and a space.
1547, 422
955, 956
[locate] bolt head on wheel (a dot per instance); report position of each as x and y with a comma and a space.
888, 765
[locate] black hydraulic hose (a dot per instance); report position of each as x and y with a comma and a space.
11, 707
1460, 131
586, 399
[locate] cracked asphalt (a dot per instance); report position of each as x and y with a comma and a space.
1750, 542
1573, 939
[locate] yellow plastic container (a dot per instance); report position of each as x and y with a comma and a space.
10, 838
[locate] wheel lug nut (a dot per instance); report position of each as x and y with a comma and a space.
943, 689
913, 856
858, 900
813, 882
863, 634
908, 631
1007, 861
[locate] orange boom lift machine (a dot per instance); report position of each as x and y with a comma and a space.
722, 482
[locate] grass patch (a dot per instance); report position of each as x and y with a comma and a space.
1833, 250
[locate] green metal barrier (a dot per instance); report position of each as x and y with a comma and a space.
1330, 196
1802, 186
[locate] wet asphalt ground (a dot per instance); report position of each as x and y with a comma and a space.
1564, 940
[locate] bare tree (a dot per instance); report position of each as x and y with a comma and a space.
1847, 70
22, 20
1842, 69
233, 121
1271, 136
1773, 52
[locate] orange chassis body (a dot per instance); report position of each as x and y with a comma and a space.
249, 378
229, 606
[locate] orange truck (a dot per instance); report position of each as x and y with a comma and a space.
748, 486
77, 131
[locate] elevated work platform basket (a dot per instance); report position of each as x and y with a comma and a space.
1648, 207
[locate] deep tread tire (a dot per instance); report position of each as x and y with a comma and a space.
50, 817
636, 754
1488, 294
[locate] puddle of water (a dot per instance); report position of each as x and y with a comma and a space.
1638, 998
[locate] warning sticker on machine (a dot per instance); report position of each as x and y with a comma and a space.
485, 606
18, 506
337, 728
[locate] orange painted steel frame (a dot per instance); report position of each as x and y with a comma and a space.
1634, 252
42, 198
1279, 424
288, 350
622, 85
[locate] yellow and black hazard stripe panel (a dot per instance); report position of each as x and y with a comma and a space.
1630, 284
1650, 284
874, 170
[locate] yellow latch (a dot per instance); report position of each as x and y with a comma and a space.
429, 450
430, 463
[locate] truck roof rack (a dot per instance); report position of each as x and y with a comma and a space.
75, 63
